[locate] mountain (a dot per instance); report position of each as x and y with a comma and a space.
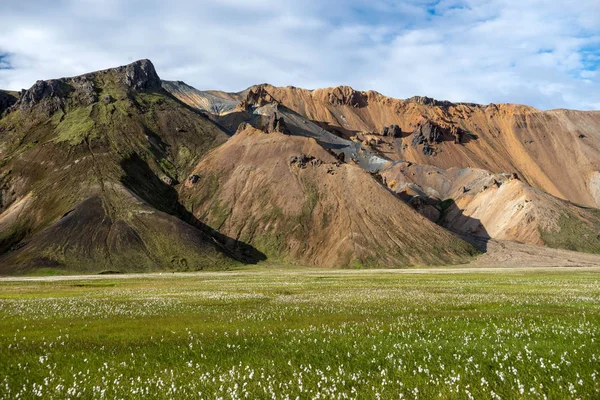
118, 171
478, 203
456, 151
214, 102
296, 202
87, 173
556, 151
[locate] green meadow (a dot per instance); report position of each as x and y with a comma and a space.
304, 334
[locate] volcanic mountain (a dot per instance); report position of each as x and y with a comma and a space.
118, 171
505, 171
109, 172
87, 174
296, 202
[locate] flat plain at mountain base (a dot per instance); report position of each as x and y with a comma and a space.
510, 333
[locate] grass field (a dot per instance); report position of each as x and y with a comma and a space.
304, 334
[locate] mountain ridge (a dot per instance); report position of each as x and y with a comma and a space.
514, 138
87, 168
117, 170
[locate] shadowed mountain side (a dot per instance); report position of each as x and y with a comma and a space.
92, 239
295, 202
470, 229
7, 99
142, 181
64, 145
475, 202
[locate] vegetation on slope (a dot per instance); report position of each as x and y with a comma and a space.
295, 202
575, 232
68, 144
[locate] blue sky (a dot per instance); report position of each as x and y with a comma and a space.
545, 53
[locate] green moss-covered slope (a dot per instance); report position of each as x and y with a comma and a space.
87, 169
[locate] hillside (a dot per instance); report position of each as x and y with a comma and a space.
557, 151
294, 201
505, 172
87, 170
118, 171
475, 202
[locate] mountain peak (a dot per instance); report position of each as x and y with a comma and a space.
141, 75
53, 94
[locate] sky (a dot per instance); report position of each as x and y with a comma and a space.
544, 53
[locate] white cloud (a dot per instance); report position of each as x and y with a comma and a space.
539, 52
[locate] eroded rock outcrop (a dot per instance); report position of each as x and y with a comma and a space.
141, 75
50, 95
257, 96
277, 124
429, 134
302, 161
392, 131
345, 95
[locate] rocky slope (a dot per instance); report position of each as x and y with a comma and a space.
505, 172
119, 171
557, 151
87, 168
474, 202
213, 102
294, 201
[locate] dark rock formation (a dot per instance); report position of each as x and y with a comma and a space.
257, 96
6, 101
392, 131
428, 101
193, 179
431, 132
276, 124
339, 155
418, 138
302, 161
345, 95
50, 95
428, 150
141, 75
85, 90
457, 133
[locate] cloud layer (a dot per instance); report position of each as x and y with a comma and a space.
544, 53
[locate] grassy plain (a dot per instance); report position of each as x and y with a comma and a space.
304, 334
